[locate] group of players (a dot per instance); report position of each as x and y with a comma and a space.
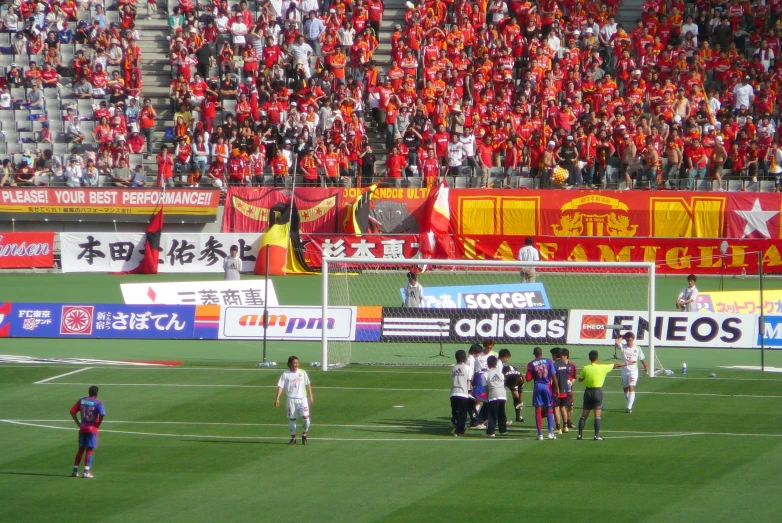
481, 377
478, 387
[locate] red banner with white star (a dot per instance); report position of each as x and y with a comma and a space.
752, 215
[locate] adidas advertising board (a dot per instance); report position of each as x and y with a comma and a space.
473, 325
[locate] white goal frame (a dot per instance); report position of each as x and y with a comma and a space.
404, 263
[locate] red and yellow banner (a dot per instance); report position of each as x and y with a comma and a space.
670, 255
99, 204
326, 211
628, 214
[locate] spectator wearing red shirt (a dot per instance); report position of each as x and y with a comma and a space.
395, 165
165, 168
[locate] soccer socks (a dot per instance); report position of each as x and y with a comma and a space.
550, 418
88, 460
306, 426
581, 423
539, 421
597, 425
78, 458
630, 400
292, 426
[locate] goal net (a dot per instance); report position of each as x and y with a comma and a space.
520, 305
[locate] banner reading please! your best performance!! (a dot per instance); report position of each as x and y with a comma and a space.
101, 204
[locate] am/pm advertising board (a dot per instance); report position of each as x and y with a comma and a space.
287, 323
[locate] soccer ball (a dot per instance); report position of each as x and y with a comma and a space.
559, 176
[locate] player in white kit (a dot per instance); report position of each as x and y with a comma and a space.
631, 355
296, 384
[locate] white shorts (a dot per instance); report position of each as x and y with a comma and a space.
629, 378
297, 408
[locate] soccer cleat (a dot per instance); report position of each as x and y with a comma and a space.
503, 433
87, 475
304, 440
629, 411
565, 429
292, 441
540, 437
558, 431
456, 434
551, 435
519, 419
487, 435
509, 422
579, 437
598, 438
481, 426
75, 474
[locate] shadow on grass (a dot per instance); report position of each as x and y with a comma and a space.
36, 474
433, 427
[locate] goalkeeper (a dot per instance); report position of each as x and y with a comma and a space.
515, 382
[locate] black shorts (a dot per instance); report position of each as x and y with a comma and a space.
514, 383
562, 402
593, 399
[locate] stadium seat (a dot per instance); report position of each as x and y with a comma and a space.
414, 182
476, 181
767, 186
704, 185
735, 185
461, 182
751, 186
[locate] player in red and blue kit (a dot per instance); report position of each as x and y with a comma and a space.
92, 413
542, 372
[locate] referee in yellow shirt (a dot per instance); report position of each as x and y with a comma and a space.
593, 376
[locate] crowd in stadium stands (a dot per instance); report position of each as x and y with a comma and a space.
493, 93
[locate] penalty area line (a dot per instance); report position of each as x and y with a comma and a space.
387, 389
47, 380
624, 434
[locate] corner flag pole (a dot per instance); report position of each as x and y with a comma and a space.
762, 315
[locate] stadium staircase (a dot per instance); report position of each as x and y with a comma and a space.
156, 72
628, 13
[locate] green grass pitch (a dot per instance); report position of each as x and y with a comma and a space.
203, 442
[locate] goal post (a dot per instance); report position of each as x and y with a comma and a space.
572, 304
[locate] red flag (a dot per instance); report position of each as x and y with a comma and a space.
436, 242
149, 264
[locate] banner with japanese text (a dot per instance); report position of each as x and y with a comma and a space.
58, 320
624, 214
180, 252
24, 250
671, 255
101, 204
326, 211
348, 247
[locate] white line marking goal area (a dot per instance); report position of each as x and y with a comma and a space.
48, 380
514, 435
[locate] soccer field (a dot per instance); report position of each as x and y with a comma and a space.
203, 442
206, 444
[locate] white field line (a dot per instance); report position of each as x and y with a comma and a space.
275, 425
47, 380
384, 389
444, 370
414, 439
